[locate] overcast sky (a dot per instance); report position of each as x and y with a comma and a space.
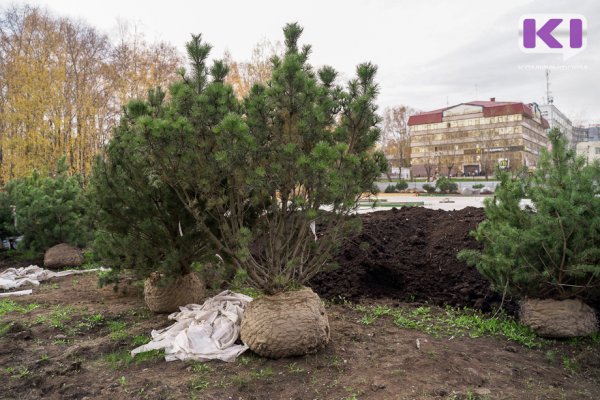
429, 53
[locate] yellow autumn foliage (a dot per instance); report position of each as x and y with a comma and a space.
63, 85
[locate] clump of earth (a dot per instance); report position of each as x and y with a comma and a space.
409, 254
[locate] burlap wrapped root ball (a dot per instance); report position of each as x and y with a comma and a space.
558, 318
186, 289
63, 255
286, 324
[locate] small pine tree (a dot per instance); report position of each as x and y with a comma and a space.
429, 188
7, 221
49, 209
390, 189
550, 249
401, 185
142, 223
445, 185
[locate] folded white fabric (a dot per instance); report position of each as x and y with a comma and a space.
203, 332
17, 293
13, 278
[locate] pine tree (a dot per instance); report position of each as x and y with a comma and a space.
7, 227
49, 209
247, 181
551, 248
142, 223
264, 175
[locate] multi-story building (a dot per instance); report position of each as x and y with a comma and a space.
590, 150
557, 119
586, 134
592, 132
473, 138
580, 134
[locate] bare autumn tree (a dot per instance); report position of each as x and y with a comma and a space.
487, 138
448, 158
396, 135
429, 165
137, 65
244, 74
88, 122
432, 160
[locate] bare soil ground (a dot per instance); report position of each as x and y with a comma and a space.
391, 337
74, 344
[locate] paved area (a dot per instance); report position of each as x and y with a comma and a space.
446, 203
434, 202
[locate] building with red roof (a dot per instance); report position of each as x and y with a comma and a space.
476, 137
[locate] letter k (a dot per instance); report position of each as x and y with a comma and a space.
545, 33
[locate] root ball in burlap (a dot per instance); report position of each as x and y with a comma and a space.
186, 289
63, 255
558, 318
286, 324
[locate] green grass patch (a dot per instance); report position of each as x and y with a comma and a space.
198, 384
245, 359
152, 355
57, 317
452, 322
201, 368
5, 327
123, 359
91, 321
140, 314
570, 365
60, 315
367, 319
17, 373
7, 306
465, 322
118, 360
140, 340
294, 368
118, 330
248, 291
263, 373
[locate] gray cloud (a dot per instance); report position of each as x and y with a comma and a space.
492, 65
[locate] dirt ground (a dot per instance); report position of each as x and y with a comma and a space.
409, 254
73, 343
391, 337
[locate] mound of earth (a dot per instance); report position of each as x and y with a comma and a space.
409, 254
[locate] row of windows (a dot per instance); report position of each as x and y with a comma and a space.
483, 134
459, 162
457, 149
468, 122
474, 137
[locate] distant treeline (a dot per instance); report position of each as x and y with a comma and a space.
63, 84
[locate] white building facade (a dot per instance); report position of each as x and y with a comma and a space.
590, 150
557, 119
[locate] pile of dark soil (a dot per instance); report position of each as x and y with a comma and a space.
409, 254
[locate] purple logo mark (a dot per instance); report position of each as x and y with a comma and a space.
553, 33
